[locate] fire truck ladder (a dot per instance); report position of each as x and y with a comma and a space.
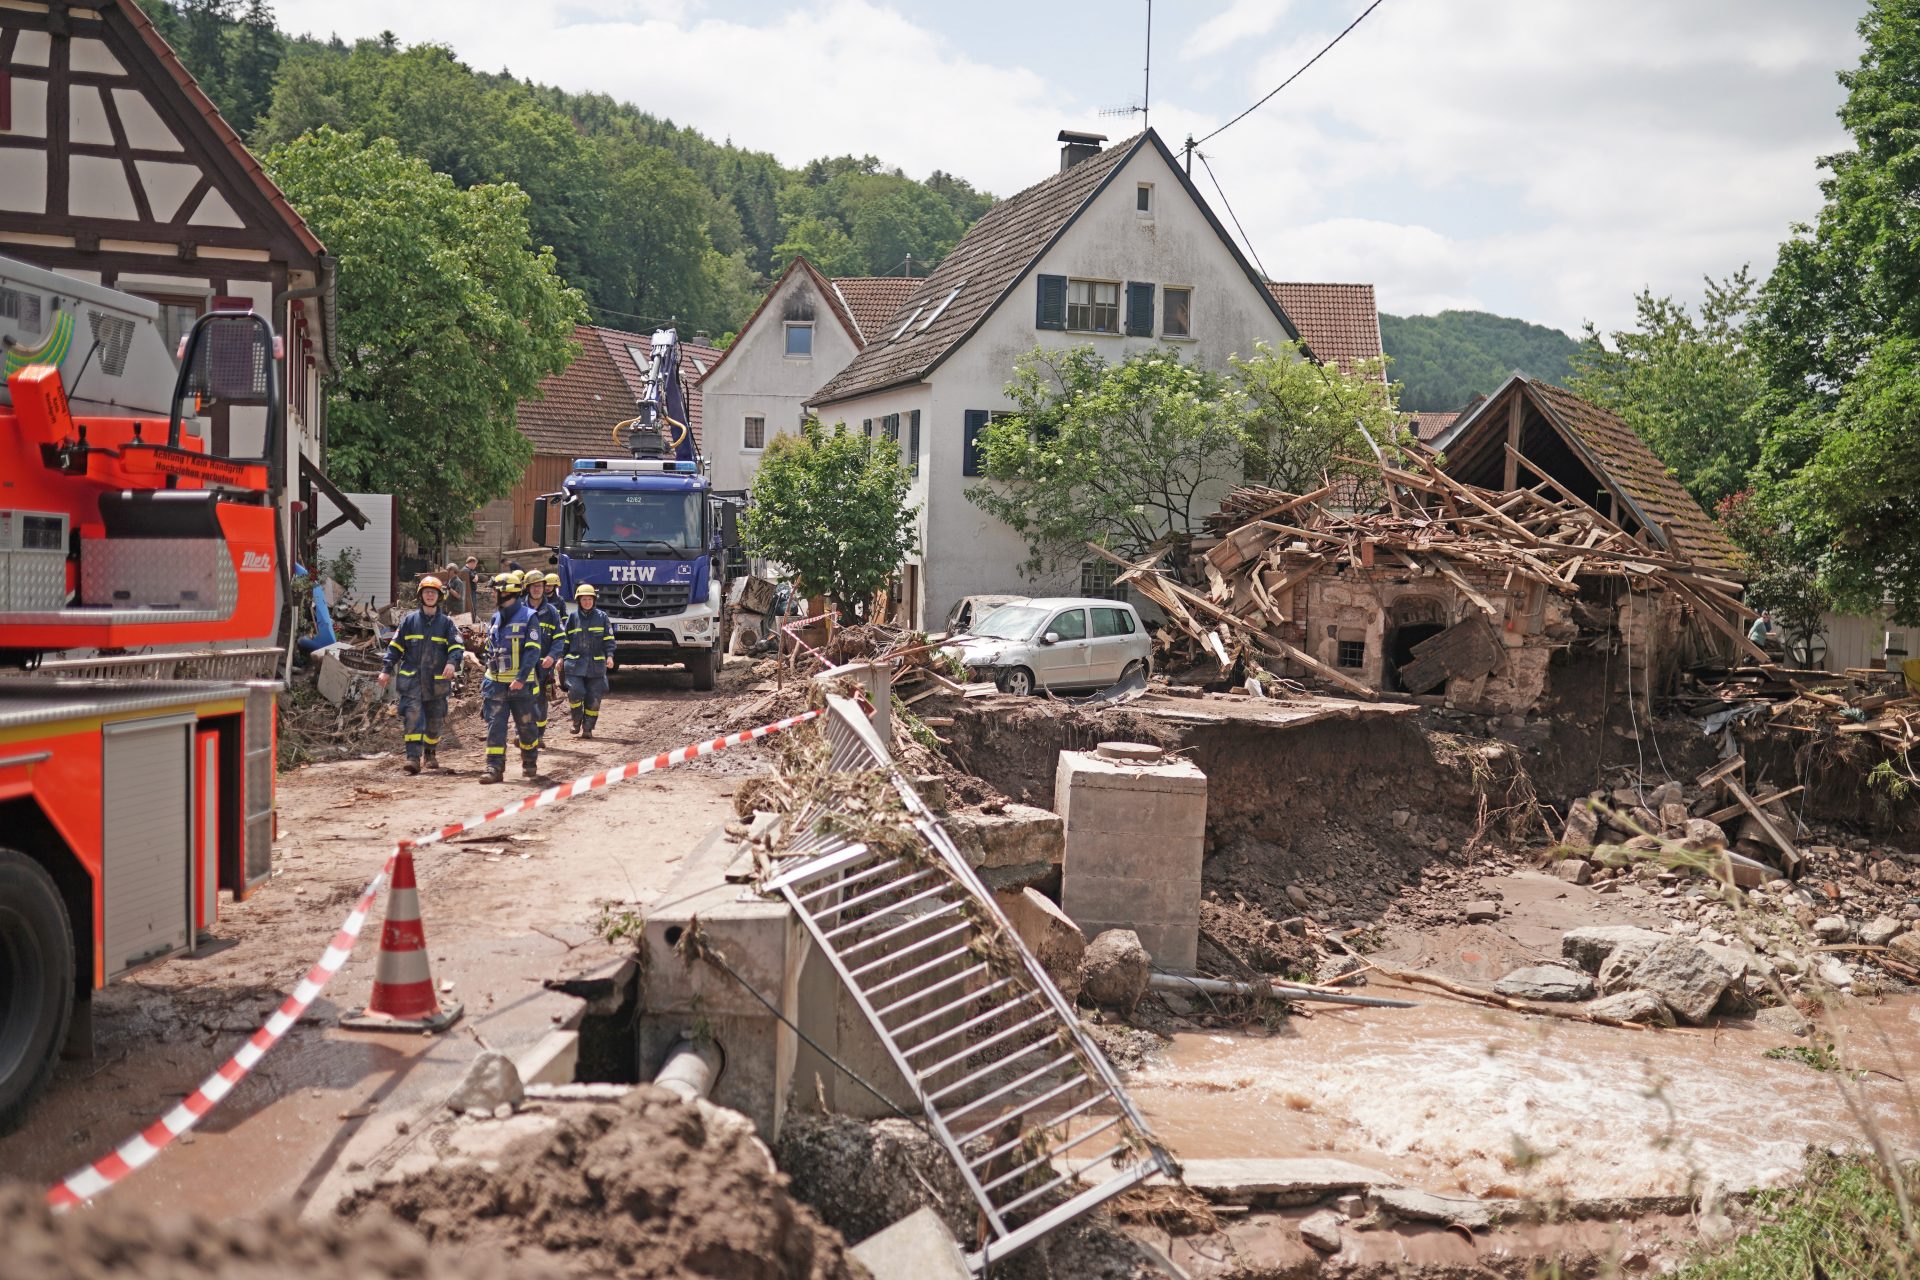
1021, 1098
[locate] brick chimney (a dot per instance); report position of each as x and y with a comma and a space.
1079, 146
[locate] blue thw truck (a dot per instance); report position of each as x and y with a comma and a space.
650, 533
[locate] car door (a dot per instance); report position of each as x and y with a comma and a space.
1112, 644
1066, 662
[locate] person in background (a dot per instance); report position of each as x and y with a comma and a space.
473, 585
1763, 632
589, 657
427, 651
506, 691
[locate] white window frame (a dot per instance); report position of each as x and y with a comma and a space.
1119, 289
787, 350
1146, 214
745, 436
1166, 310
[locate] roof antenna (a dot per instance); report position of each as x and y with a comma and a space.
1146, 90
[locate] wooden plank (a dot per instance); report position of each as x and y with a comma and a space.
1446, 571
1467, 649
1719, 620
1516, 415
1759, 815
1731, 764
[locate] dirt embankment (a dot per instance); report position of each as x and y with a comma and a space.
112, 1241
648, 1187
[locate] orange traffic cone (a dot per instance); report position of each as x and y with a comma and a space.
403, 994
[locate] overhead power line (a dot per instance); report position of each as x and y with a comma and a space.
1295, 76
1228, 205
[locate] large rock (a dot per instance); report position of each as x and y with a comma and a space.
1583, 826
1674, 817
1053, 938
1631, 1006
1017, 835
1880, 930
1685, 976
1115, 970
1574, 870
1906, 947
1589, 946
491, 1082
1703, 834
1546, 982
1322, 1230
1831, 929
1617, 970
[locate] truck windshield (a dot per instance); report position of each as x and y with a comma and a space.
643, 521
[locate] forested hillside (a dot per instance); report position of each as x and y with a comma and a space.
647, 218
1443, 361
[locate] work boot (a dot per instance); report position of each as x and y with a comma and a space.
492, 776
529, 770
433, 758
579, 722
587, 732
413, 766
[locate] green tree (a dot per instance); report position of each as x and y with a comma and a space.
1308, 424
449, 317
1128, 455
831, 506
1837, 333
1687, 386
1445, 360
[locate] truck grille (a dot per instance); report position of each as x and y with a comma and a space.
646, 599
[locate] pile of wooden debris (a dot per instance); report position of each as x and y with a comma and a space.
1465, 580
1879, 707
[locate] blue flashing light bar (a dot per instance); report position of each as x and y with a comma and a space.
633, 464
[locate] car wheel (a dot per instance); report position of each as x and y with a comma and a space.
1138, 667
36, 983
1018, 681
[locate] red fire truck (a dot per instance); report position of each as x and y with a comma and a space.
141, 574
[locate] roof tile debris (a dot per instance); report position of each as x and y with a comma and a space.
1338, 322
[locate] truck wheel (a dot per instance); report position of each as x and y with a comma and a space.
704, 667
36, 983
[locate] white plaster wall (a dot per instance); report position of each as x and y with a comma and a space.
973, 553
903, 401
758, 378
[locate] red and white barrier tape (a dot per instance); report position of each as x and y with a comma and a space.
86, 1183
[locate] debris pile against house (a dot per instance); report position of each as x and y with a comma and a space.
1876, 709
1441, 590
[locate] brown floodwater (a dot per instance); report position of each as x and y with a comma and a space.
1453, 1096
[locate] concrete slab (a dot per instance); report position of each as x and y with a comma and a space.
1280, 1181
918, 1247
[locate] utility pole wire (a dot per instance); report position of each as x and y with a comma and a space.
1290, 79
1228, 205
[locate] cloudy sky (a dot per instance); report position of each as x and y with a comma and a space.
1536, 158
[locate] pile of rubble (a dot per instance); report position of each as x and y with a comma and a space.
1292, 586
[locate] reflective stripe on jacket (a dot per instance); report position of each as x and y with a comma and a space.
590, 636
423, 643
513, 644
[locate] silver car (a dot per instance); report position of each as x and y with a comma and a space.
1057, 643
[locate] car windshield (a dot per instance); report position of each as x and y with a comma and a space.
637, 519
1010, 622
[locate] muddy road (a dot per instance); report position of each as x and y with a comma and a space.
504, 909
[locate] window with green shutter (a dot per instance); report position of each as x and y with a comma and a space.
1139, 310
972, 457
913, 441
1050, 310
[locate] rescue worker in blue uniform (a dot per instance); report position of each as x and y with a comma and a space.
426, 650
589, 658
553, 626
507, 689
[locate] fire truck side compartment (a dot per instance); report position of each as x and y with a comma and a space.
146, 839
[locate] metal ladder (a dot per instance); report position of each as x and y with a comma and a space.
1011, 1085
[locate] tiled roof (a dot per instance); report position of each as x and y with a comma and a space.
1475, 444
1428, 424
872, 300
989, 260
1338, 322
574, 414
1632, 466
